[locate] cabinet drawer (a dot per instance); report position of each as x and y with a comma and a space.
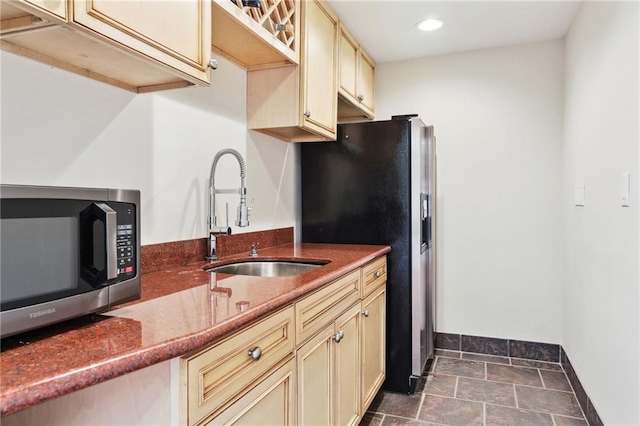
319, 309
217, 375
373, 275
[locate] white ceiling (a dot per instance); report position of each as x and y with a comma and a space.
387, 28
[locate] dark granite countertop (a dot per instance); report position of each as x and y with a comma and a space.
182, 310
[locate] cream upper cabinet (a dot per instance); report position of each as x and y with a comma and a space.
357, 79
294, 103
257, 37
138, 45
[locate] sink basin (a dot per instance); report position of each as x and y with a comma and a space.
267, 268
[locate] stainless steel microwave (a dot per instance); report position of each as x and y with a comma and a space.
65, 252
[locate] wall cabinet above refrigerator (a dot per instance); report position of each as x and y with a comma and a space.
357, 79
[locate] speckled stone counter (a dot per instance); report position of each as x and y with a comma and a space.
182, 310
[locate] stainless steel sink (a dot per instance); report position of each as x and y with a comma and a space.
267, 268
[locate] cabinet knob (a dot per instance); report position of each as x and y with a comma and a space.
366, 313
255, 353
307, 113
213, 64
361, 97
338, 336
377, 274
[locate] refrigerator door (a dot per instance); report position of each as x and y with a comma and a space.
431, 246
419, 263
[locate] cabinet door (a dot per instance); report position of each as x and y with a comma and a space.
218, 374
373, 344
348, 74
56, 7
347, 367
176, 33
270, 401
366, 82
319, 68
315, 371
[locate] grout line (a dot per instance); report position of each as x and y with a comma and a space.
515, 396
417, 417
455, 388
484, 413
544, 386
486, 374
553, 420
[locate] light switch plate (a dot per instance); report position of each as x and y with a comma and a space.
624, 199
578, 195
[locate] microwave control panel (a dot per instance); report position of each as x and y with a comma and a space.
126, 240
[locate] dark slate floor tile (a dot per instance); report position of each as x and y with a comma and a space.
485, 345
505, 416
569, 421
536, 351
555, 380
447, 341
513, 374
402, 421
486, 358
371, 419
460, 367
548, 401
450, 411
440, 385
396, 404
448, 354
485, 391
536, 364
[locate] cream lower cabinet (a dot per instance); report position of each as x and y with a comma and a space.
329, 374
216, 378
269, 402
321, 361
373, 344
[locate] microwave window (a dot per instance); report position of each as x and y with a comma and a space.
38, 256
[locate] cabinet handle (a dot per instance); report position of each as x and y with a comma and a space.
377, 274
361, 97
338, 336
307, 113
366, 313
213, 64
255, 353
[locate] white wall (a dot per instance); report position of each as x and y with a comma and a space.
498, 122
601, 301
62, 129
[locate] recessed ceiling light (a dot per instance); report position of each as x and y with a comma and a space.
430, 24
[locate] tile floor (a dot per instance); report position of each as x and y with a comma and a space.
462, 388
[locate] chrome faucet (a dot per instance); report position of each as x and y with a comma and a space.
243, 211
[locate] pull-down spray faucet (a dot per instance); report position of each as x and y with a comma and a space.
242, 218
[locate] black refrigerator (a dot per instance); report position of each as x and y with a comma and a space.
376, 185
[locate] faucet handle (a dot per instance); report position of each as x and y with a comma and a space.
254, 251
